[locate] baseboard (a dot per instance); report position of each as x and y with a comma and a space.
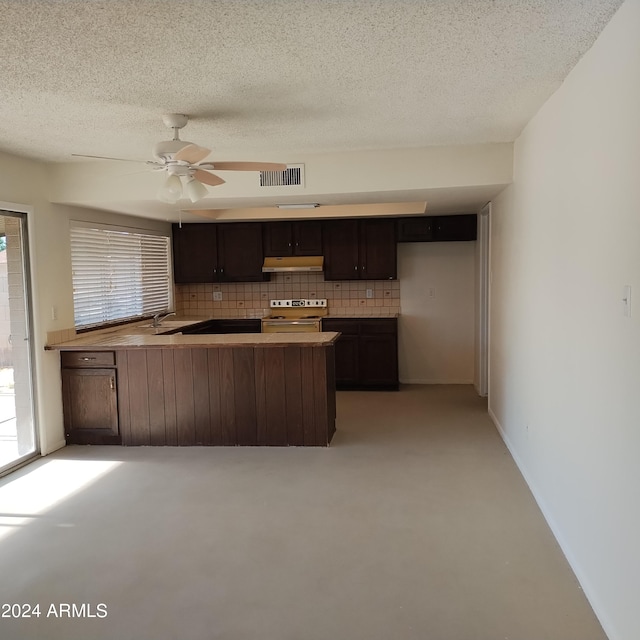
434, 381
585, 583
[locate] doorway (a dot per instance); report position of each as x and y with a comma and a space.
18, 441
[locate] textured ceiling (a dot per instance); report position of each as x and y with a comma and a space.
262, 77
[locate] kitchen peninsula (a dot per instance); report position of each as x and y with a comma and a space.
138, 387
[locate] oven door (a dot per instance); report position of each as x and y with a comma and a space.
290, 326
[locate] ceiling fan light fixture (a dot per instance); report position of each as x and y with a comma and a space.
195, 190
171, 190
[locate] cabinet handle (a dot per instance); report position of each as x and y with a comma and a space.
215, 271
112, 384
289, 244
87, 359
221, 270
355, 268
363, 268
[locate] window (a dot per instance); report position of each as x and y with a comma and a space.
118, 274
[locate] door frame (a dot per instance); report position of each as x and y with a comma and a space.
24, 212
483, 294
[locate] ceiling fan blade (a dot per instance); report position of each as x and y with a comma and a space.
208, 178
248, 166
192, 153
80, 155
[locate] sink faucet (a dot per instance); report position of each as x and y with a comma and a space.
159, 317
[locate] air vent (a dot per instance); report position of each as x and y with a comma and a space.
292, 176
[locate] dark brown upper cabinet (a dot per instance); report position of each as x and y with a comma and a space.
360, 249
195, 253
437, 228
240, 255
297, 238
230, 252
456, 228
418, 229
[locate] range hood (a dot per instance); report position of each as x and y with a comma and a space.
296, 263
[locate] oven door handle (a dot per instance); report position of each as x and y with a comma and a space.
284, 323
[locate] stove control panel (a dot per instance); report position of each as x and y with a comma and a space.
301, 303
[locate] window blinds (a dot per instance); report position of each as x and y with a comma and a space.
118, 275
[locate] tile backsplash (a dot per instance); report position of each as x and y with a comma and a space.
251, 300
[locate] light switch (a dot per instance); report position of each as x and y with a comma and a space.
626, 301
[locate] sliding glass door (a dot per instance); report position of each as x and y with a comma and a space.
17, 429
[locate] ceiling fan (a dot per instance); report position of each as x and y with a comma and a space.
181, 160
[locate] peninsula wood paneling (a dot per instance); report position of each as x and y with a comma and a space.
185, 410
157, 418
215, 406
244, 394
261, 397
124, 415
227, 396
293, 395
276, 409
227, 425
308, 394
201, 411
169, 399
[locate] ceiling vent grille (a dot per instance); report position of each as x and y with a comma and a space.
292, 176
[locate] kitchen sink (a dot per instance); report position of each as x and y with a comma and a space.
167, 326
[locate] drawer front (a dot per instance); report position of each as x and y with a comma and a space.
88, 359
346, 327
378, 325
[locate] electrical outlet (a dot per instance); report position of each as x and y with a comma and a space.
626, 301
369, 293
217, 296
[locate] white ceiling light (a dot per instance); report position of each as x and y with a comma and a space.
171, 190
195, 190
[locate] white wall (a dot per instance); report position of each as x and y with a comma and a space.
24, 187
436, 334
564, 361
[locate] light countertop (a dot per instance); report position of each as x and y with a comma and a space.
121, 339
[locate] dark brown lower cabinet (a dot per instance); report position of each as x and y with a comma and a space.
366, 352
187, 396
90, 398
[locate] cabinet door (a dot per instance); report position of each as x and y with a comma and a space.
90, 406
346, 350
240, 254
378, 250
307, 238
378, 360
418, 229
341, 250
248, 325
278, 239
195, 256
455, 228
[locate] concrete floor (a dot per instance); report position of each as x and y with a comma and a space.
414, 524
